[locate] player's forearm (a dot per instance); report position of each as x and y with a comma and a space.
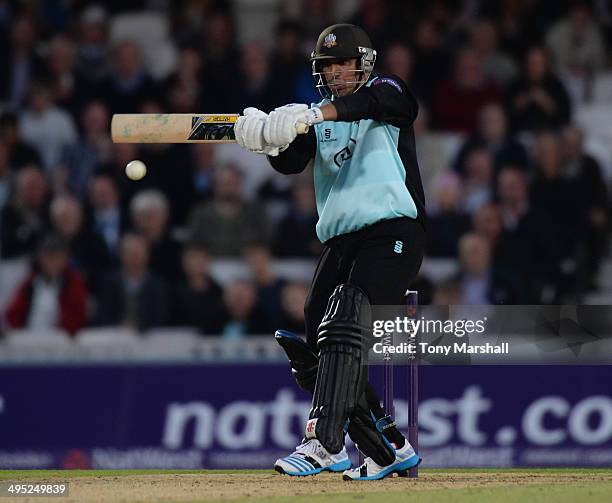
297, 156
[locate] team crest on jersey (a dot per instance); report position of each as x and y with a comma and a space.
330, 41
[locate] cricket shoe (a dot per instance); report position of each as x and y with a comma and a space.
405, 458
311, 458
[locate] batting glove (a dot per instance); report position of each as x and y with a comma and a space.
248, 131
282, 124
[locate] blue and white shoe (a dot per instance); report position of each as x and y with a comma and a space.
311, 458
405, 458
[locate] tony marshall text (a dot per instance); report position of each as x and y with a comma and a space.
456, 348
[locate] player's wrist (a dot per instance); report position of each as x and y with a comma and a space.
313, 116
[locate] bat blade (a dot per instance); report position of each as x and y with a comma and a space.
173, 128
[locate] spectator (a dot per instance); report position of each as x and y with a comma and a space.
88, 252
526, 243
184, 87
493, 136
19, 62
221, 62
226, 223
432, 63
479, 282
129, 85
479, 180
53, 295
65, 84
293, 298
496, 65
105, 219
93, 58
48, 128
537, 100
566, 212
457, 102
134, 296
268, 285
198, 300
399, 61
576, 43
584, 172
296, 235
447, 220
93, 149
242, 314
150, 212
257, 88
20, 153
24, 220
288, 64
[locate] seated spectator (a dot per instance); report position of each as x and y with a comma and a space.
492, 134
242, 316
150, 212
566, 210
432, 62
129, 85
496, 65
80, 160
133, 296
20, 153
184, 86
105, 218
447, 220
293, 298
527, 243
399, 61
199, 299
457, 101
87, 251
288, 62
257, 87
24, 220
576, 43
584, 172
269, 286
296, 233
478, 184
46, 127
67, 89
227, 222
93, 58
19, 58
479, 282
53, 295
537, 100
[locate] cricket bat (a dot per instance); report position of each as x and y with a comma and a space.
177, 128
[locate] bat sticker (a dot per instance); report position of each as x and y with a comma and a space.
212, 127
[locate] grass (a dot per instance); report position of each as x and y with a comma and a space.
29, 474
570, 491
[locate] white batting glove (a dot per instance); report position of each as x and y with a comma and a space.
248, 131
282, 123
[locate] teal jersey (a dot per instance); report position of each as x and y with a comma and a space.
359, 177
365, 167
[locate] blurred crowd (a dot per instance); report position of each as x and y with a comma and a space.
521, 206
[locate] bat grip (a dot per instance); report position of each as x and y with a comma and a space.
302, 128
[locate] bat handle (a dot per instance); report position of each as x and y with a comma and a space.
302, 128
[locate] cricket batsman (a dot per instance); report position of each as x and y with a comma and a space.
371, 212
